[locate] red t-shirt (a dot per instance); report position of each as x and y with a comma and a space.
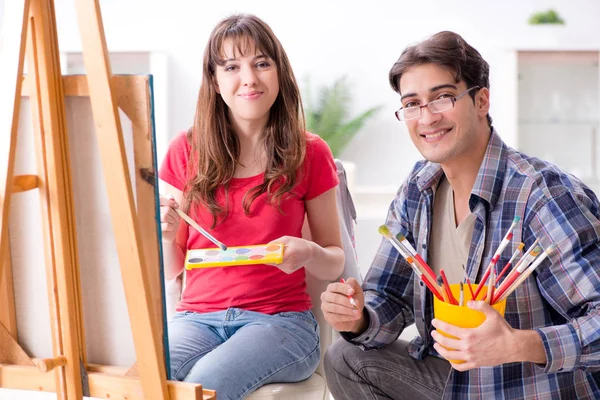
261, 288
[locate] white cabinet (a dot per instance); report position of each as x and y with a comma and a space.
559, 110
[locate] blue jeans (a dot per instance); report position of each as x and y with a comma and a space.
236, 351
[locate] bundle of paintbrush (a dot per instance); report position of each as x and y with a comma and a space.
530, 260
416, 262
440, 287
520, 273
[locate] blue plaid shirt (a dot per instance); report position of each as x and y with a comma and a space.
561, 300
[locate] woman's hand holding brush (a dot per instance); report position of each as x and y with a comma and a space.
169, 219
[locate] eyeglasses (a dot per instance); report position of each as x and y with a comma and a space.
436, 107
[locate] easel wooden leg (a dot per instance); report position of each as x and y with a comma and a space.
11, 67
47, 101
124, 215
8, 316
138, 109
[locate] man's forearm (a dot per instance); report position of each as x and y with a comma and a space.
530, 347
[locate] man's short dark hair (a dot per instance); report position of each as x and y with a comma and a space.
448, 50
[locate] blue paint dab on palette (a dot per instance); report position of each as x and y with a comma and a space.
195, 260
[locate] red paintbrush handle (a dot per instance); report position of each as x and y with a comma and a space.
451, 297
505, 285
482, 283
470, 288
426, 267
487, 274
432, 288
501, 274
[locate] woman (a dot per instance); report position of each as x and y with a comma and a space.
249, 174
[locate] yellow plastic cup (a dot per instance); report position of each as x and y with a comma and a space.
463, 317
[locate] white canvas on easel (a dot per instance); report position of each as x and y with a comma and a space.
107, 328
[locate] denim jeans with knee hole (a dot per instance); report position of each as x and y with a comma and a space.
386, 373
236, 351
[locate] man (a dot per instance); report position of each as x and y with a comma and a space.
455, 208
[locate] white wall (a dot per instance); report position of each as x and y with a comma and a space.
327, 39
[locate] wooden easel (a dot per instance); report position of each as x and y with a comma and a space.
33, 21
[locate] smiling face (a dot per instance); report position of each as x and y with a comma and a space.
248, 83
450, 136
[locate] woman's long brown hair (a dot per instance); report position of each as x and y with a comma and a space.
215, 146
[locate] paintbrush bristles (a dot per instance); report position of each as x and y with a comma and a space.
385, 231
440, 283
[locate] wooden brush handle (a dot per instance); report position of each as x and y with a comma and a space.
197, 227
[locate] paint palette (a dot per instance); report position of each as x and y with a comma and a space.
233, 256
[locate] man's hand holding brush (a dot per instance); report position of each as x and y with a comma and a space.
338, 309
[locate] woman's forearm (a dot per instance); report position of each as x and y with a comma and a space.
326, 263
173, 259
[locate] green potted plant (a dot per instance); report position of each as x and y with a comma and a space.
546, 17
547, 29
329, 116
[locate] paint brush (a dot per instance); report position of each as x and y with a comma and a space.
352, 301
197, 227
525, 274
402, 239
509, 263
446, 286
521, 266
440, 282
468, 281
426, 281
486, 275
490, 289
461, 298
385, 232
507, 238
168, 191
